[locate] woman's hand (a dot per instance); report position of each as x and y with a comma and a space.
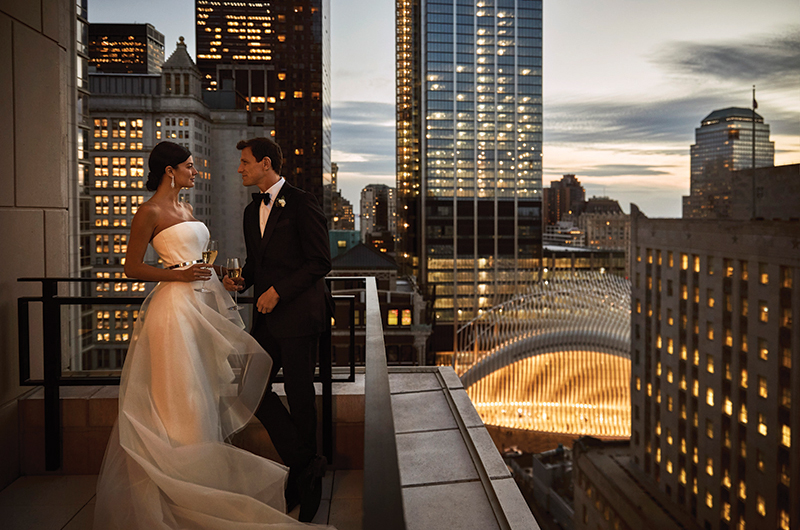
198, 272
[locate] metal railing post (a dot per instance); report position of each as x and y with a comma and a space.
51, 338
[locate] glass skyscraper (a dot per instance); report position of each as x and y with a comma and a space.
469, 150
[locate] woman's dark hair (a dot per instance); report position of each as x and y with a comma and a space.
262, 147
164, 155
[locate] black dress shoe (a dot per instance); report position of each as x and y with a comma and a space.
311, 488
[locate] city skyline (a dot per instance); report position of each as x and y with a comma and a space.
622, 96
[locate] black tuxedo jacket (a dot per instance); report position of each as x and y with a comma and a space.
293, 256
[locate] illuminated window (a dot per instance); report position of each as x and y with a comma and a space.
684, 261
786, 435
762, 386
728, 337
762, 425
786, 357
696, 295
696, 263
710, 330
710, 297
726, 511
669, 466
670, 320
406, 317
743, 266
710, 429
649, 256
726, 478
742, 490
784, 520
786, 317
710, 363
743, 414
669, 259
727, 406
682, 476
684, 292
786, 277
761, 506
298, 94
763, 275
669, 375
728, 266
392, 317
710, 396
638, 383
763, 311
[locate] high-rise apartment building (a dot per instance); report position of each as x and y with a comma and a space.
277, 54
563, 198
715, 378
378, 222
126, 48
723, 143
469, 147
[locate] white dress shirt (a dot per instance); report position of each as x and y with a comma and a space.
263, 213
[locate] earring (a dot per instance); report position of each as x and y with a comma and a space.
172, 184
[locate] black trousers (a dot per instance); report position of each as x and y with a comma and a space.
293, 431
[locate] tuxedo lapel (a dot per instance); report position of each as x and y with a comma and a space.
252, 229
275, 214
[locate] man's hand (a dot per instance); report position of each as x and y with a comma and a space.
268, 300
233, 284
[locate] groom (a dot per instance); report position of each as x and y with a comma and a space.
288, 256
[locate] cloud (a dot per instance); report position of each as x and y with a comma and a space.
615, 170
772, 60
365, 130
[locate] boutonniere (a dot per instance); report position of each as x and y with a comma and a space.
281, 202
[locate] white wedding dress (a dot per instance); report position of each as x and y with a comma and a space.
192, 377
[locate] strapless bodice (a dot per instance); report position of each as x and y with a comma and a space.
181, 243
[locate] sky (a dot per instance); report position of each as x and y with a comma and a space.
625, 84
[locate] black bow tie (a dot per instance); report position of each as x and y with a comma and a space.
258, 197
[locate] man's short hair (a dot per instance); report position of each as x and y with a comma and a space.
262, 147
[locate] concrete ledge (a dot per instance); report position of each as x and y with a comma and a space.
451, 473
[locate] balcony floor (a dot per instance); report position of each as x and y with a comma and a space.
66, 502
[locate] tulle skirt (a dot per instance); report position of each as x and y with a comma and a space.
192, 377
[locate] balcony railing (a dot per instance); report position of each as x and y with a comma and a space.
382, 500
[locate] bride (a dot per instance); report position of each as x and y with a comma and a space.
192, 377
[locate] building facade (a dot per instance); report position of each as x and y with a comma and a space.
469, 142
563, 198
727, 140
342, 216
131, 113
126, 48
715, 376
378, 221
277, 55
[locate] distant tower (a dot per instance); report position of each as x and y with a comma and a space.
724, 143
378, 224
563, 197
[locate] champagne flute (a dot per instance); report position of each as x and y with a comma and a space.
234, 271
209, 255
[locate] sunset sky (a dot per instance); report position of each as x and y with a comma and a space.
626, 82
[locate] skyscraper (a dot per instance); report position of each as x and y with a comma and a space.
724, 143
278, 56
126, 48
469, 140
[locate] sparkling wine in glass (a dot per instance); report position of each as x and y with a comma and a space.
234, 271
209, 255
